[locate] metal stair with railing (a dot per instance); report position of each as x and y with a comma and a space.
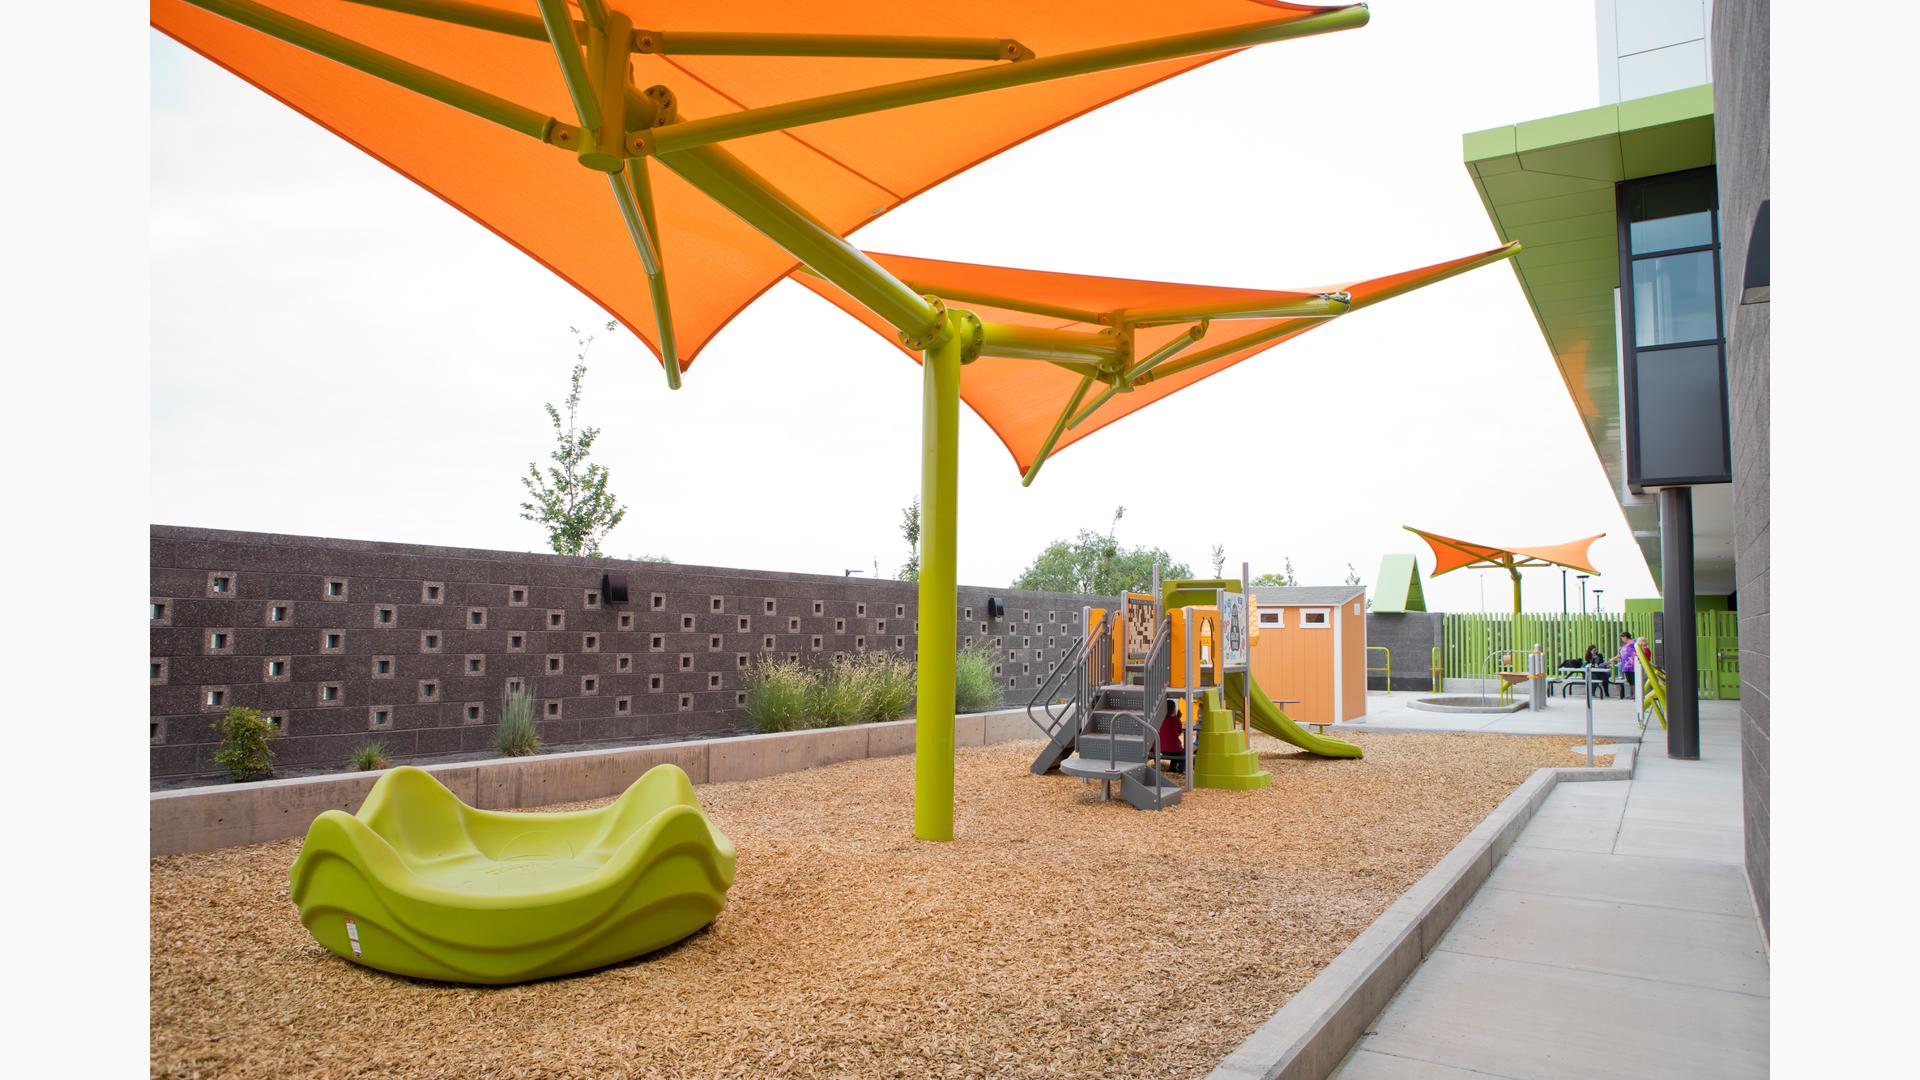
1099, 727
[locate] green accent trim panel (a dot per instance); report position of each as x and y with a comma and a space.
418, 883
1549, 183
1396, 589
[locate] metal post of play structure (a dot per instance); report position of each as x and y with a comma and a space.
1246, 684
1186, 697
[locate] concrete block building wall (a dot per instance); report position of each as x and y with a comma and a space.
340, 641
1741, 112
1412, 636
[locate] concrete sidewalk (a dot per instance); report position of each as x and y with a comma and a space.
1616, 939
1612, 718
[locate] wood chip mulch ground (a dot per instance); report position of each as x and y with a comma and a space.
1058, 936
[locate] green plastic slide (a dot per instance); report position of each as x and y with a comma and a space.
1268, 718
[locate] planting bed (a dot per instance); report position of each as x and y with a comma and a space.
1057, 936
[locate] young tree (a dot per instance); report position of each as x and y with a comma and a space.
571, 501
1353, 576
1282, 577
910, 529
1219, 555
1096, 563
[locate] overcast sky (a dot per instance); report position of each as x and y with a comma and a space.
337, 352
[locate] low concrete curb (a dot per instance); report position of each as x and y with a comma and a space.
227, 815
1312, 1033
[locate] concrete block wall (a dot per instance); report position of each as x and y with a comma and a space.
1741, 111
1412, 636
340, 641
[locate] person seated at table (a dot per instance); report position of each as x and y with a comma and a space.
1594, 659
1172, 747
1597, 671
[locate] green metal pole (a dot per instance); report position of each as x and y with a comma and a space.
566, 47
1060, 425
702, 43
1102, 347
1311, 307
731, 184
961, 83
939, 503
392, 69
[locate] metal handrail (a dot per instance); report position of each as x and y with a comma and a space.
1387, 671
1153, 690
1078, 662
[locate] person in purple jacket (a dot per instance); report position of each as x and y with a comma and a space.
1626, 660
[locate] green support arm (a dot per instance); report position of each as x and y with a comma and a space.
698, 43
566, 46
1060, 425
961, 83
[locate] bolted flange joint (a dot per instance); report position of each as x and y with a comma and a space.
933, 334
972, 333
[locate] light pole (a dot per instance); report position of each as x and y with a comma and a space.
1583, 592
1596, 600
1563, 592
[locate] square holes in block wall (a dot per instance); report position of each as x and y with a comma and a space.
330, 693
686, 622
277, 669
740, 698
656, 642
476, 618
222, 583
157, 670
333, 641
626, 620
686, 703
213, 697
159, 611
899, 643
516, 643
819, 607
860, 611
429, 690
279, 614
433, 592
385, 615
793, 625
383, 667
839, 626
219, 642
659, 602
556, 619
379, 718
476, 664
713, 643
156, 730
740, 661
743, 624
899, 611
713, 681
590, 643
623, 662
516, 686
716, 603
686, 661
653, 684
622, 706
767, 642
589, 684
334, 589
770, 606
429, 641
590, 599
516, 596
553, 710
860, 643
556, 663
815, 643
473, 712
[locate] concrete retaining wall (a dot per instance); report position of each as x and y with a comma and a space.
202, 819
1310, 1035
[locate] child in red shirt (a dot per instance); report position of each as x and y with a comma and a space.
1171, 746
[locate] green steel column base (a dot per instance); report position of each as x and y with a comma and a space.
1222, 759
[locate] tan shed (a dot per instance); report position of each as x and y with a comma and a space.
1310, 649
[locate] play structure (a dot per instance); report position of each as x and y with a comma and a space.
419, 883
1190, 642
741, 156
1312, 640
1450, 555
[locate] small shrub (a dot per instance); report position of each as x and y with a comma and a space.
245, 750
893, 687
975, 687
367, 757
777, 693
518, 736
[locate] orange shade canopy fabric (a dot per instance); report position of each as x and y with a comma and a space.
844, 172
1451, 554
1021, 400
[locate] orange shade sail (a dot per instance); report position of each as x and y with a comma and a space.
845, 172
1450, 554
1021, 400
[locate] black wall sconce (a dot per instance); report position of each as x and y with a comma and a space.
996, 609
